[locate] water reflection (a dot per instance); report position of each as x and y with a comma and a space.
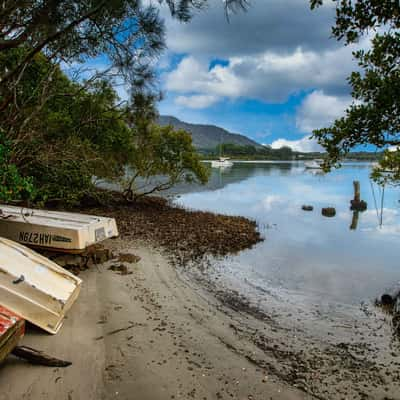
354, 220
306, 252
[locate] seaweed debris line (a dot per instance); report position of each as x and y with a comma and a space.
187, 235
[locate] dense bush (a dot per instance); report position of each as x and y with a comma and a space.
12, 185
67, 134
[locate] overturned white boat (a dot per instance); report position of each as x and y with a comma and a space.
34, 287
63, 231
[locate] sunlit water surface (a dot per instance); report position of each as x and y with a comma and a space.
305, 255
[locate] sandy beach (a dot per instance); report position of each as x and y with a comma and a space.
147, 336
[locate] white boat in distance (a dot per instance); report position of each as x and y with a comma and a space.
314, 164
34, 287
54, 230
222, 162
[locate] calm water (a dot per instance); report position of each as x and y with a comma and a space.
306, 255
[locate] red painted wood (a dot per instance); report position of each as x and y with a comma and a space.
8, 320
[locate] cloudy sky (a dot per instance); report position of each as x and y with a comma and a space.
272, 73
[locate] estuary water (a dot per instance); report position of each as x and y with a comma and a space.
307, 258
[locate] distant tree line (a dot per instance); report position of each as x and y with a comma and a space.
249, 152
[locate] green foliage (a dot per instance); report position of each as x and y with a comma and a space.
388, 169
65, 134
64, 131
374, 116
162, 158
126, 31
12, 185
76, 133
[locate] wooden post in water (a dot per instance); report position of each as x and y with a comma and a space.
357, 204
356, 185
354, 221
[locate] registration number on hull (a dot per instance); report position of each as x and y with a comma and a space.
41, 239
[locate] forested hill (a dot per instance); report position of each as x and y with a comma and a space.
207, 137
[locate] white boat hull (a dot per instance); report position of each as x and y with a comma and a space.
312, 165
221, 164
55, 230
34, 287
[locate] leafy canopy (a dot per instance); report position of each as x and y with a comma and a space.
61, 131
12, 185
374, 116
162, 156
68, 137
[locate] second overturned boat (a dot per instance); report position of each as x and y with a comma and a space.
34, 287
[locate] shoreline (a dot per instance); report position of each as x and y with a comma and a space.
186, 235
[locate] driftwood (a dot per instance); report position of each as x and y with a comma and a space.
38, 357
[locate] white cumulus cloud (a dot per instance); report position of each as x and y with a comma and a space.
319, 110
193, 76
269, 76
196, 101
304, 144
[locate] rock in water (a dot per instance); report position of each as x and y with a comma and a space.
387, 300
328, 211
358, 205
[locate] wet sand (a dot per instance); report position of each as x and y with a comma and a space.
328, 351
147, 336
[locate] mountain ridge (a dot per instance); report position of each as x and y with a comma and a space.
207, 136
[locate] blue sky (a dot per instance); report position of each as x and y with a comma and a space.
273, 73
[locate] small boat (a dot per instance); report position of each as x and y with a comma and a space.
222, 162
12, 329
34, 287
54, 230
314, 164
